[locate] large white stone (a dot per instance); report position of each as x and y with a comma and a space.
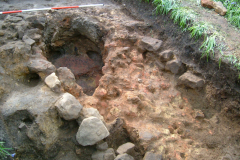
91, 131
68, 107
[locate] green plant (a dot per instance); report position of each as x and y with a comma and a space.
164, 6
210, 44
198, 29
233, 13
183, 16
3, 150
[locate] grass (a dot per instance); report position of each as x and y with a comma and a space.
183, 16
210, 44
3, 150
164, 6
200, 29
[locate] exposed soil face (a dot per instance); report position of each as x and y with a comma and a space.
144, 76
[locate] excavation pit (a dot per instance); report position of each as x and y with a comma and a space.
84, 59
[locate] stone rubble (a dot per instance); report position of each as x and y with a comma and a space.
190, 80
53, 82
207, 3
89, 112
175, 66
152, 156
126, 148
91, 131
108, 154
219, 8
150, 44
68, 107
124, 156
42, 67
102, 146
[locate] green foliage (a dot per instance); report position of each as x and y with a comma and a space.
210, 44
3, 150
164, 6
199, 29
183, 16
233, 13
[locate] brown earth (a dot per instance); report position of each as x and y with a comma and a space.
136, 91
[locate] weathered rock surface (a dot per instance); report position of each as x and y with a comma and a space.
166, 55
150, 44
175, 66
53, 82
89, 112
13, 19
109, 154
219, 8
91, 131
152, 156
31, 119
14, 56
190, 80
68, 107
124, 156
207, 3
126, 148
42, 67
88, 27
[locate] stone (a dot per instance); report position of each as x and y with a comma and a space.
88, 27
124, 156
160, 65
37, 37
219, 8
109, 154
36, 21
53, 82
175, 66
166, 55
89, 112
152, 156
28, 40
198, 114
91, 131
126, 148
150, 44
2, 33
68, 107
102, 146
145, 135
190, 80
13, 19
65, 75
207, 3
22, 126
68, 81
42, 67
